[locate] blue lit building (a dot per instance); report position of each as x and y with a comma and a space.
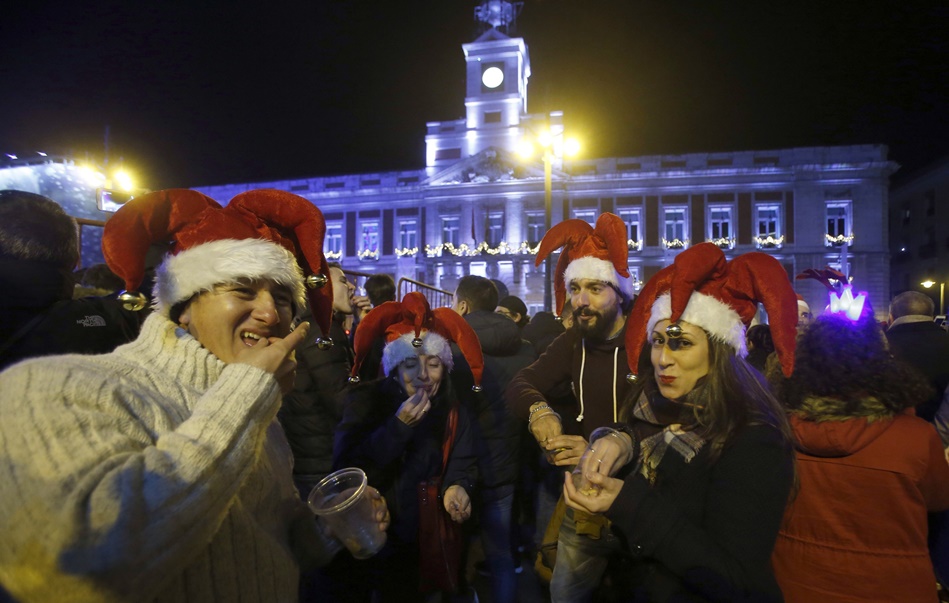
474, 205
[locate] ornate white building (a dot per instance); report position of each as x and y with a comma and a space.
476, 206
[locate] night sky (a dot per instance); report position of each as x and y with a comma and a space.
208, 92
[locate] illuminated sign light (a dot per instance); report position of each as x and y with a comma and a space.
847, 304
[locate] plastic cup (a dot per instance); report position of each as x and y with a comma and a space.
342, 501
580, 482
550, 454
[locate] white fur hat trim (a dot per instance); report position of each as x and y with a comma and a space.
713, 315
399, 349
597, 269
200, 268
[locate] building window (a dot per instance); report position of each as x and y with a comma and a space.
445, 154
408, 234
838, 231
768, 226
495, 228
333, 241
675, 235
720, 228
535, 228
587, 215
450, 233
630, 217
369, 240
492, 117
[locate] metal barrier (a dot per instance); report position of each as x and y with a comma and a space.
437, 298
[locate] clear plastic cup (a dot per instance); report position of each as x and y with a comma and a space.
342, 501
550, 454
580, 482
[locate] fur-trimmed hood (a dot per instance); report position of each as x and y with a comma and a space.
822, 428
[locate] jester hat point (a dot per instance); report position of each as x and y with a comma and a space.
411, 326
704, 289
599, 253
261, 234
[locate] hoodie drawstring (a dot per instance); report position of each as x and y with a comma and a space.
583, 362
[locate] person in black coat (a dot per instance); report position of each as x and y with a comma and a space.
39, 247
914, 338
311, 411
703, 460
499, 433
394, 428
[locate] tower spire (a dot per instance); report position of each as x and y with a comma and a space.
499, 14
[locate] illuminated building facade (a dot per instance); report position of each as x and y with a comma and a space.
919, 231
478, 207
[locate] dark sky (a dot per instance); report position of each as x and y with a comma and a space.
209, 92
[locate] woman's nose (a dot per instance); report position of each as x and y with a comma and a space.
665, 356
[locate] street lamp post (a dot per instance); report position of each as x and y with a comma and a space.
942, 293
548, 269
553, 147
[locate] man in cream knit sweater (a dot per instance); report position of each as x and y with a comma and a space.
158, 472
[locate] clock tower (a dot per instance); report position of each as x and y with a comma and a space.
497, 69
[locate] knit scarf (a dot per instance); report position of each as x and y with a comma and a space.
669, 431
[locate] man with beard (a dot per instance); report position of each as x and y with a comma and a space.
591, 357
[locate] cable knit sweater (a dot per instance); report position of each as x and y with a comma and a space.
153, 473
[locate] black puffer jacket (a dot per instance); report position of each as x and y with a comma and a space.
41, 319
498, 431
310, 412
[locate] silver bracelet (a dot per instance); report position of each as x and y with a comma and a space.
533, 410
546, 414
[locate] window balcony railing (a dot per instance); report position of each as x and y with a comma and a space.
769, 242
675, 243
723, 242
402, 252
837, 241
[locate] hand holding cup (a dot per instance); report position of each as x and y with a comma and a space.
609, 449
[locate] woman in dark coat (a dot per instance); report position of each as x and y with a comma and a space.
704, 459
394, 428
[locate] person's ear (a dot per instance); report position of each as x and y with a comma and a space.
463, 307
184, 319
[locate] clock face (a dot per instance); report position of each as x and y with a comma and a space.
492, 77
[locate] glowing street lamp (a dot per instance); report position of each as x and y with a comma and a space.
124, 180
928, 283
551, 150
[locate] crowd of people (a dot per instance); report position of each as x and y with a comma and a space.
709, 439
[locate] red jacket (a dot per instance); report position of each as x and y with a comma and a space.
856, 530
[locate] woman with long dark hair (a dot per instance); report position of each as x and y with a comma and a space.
870, 471
703, 463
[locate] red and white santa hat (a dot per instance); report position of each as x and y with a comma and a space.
702, 288
260, 234
410, 327
600, 253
